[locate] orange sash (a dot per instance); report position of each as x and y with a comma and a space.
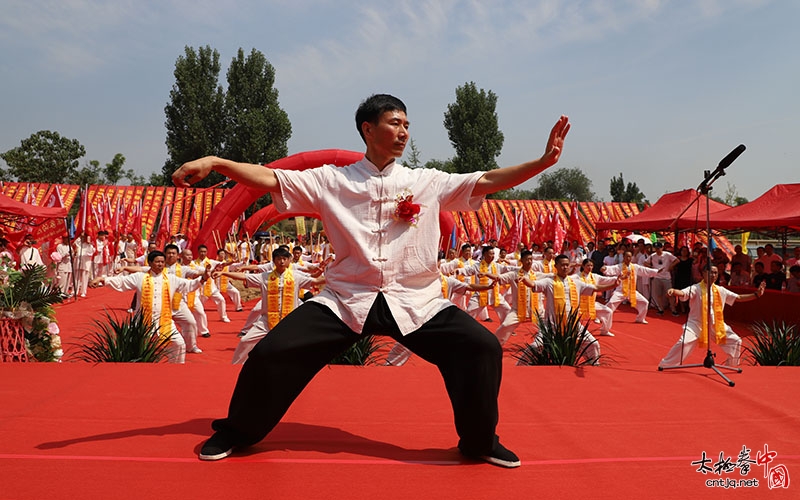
719, 320
165, 319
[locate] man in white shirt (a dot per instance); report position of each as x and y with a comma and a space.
662, 281
160, 287
103, 255
697, 331
383, 218
28, 254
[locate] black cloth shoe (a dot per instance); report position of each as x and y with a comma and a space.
500, 455
216, 448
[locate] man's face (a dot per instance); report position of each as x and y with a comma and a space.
157, 266
296, 254
626, 258
548, 254
527, 262
172, 256
466, 253
186, 256
388, 137
488, 255
201, 253
281, 264
562, 267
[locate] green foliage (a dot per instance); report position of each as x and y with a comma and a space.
414, 157
563, 184
363, 352
31, 286
731, 196
127, 340
473, 129
244, 124
444, 166
620, 192
195, 114
257, 129
563, 343
30, 295
44, 157
774, 344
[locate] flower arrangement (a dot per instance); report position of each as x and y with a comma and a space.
405, 209
28, 296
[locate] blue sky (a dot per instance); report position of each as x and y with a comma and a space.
657, 90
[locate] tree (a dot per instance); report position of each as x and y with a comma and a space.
443, 165
89, 174
621, 192
731, 196
113, 171
195, 114
257, 129
564, 184
44, 157
472, 127
414, 156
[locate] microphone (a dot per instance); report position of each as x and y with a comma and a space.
725, 163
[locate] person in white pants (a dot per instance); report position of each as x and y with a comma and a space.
629, 274
159, 284
182, 306
590, 308
562, 294
210, 290
697, 330
83, 251
63, 265
187, 270
524, 304
279, 291
480, 302
226, 288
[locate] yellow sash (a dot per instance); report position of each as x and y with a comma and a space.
207, 287
560, 300
719, 320
460, 277
279, 304
629, 284
588, 306
444, 287
547, 265
165, 319
527, 300
223, 281
483, 295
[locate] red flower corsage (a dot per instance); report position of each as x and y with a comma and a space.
405, 208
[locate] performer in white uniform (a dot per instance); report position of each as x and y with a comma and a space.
628, 273
382, 218
160, 288
697, 330
524, 304
590, 308
210, 290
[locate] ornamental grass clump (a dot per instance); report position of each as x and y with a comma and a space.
773, 344
564, 343
363, 352
129, 340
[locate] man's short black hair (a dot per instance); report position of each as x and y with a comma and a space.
152, 256
559, 257
281, 251
524, 254
172, 246
373, 107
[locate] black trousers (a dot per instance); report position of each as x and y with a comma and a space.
468, 356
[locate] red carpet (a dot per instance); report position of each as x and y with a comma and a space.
624, 430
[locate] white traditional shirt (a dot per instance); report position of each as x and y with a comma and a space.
545, 286
29, 256
377, 253
694, 295
122, 283
662, 263
301, 281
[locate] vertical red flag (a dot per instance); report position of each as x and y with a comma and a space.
559, 233
574, 231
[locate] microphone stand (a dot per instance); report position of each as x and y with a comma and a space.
704, 188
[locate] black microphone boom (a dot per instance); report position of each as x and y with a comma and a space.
725, 163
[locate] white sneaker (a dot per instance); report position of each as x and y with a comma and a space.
196, 350
607, 334
644, 321
226, 320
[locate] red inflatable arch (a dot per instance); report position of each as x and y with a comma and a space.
240, 197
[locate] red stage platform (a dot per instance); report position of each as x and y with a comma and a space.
624, 430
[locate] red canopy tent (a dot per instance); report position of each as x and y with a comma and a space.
10, 206
681, 210
777, 209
